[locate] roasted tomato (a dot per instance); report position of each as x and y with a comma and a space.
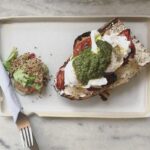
127, 33
81, 45
60, 80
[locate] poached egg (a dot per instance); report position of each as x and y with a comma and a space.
115, 41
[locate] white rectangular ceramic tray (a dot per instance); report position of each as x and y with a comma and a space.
52, 38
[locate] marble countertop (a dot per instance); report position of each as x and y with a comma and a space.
78, 134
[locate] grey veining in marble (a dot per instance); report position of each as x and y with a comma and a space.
78, 134
74, 7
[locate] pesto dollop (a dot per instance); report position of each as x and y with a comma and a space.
89, 65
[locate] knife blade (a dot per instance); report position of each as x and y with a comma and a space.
1, 99
9, 92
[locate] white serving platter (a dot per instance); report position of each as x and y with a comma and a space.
52, 38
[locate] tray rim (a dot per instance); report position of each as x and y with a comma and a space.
146, 113
87, 115
73, 16
38, 18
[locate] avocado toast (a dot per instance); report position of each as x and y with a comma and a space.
28, 73
102, 60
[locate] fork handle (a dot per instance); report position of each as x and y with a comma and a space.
35, 145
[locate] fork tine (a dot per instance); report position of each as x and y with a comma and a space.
31, 136
24, 137
22, 140
28, 136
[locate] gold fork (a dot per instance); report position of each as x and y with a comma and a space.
24, 127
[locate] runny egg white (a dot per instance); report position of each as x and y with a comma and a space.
120, 42
96, 82
70, 76
94, 34
120, 51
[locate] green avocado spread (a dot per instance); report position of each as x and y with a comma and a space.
23, 78
89, 65
26, 80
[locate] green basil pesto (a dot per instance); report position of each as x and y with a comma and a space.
89, 65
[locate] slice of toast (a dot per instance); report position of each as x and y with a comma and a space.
137, 59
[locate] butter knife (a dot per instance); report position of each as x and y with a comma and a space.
10, 96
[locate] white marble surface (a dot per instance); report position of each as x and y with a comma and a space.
78, 134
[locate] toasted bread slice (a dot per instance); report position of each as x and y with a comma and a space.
137, 59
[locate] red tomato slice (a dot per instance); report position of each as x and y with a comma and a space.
81, 45
127, 33
60, 80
